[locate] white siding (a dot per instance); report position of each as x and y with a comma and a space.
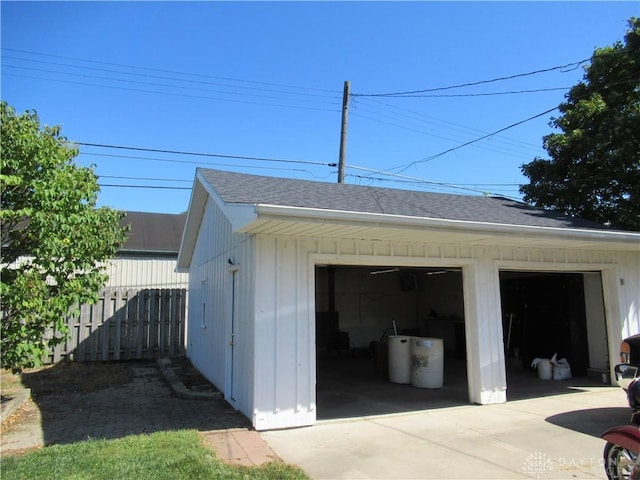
285, 309
285, 352
486, 375
209, 336
627, 284
145, 272
272, 376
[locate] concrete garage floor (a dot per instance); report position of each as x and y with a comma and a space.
370, 429
350, 387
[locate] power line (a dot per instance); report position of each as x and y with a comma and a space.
170, 86
116, 177
567, 67
399, 178
172, 94
587, 94
138, 67
495, 133
211, 164
221, 99
202, 154
488, 94
484, 147
164, 85
421, 117
470, 84
155, 187
445, 187
157, 77
449, 150
419, 180
285, 86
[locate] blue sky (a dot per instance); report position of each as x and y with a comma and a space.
265, 80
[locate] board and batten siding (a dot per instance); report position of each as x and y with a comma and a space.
285, 309
626, 283
285, 326
219, 255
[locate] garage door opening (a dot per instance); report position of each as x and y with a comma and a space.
358, 309
547, 313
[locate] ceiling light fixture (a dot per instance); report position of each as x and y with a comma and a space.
389, 270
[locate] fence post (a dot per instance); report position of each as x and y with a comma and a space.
105, 325
119, 313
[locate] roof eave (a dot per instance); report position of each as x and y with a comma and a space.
195, 212
462, 226
238, 214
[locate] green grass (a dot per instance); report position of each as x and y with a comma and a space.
173, 455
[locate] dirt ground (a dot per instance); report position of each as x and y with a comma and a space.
85, 377
75, 379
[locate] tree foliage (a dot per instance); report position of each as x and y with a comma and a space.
54, 239
594, 166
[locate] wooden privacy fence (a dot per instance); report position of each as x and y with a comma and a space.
126, 325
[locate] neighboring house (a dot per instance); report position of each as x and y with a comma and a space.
142, 312
148, 257
270, 259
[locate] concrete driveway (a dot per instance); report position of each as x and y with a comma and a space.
551, 437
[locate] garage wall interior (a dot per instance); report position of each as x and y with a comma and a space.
368, 300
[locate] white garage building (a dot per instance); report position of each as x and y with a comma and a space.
271, 259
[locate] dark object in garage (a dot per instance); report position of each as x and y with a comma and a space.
547, 314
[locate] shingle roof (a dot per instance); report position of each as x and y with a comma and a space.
256, 189
153, 232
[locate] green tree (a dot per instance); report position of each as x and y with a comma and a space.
594, 166
54, 239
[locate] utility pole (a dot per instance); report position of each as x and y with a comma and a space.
343, 132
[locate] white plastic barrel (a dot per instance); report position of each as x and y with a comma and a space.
545, 369
400, 359
427, 362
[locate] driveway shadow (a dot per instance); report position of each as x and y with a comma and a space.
137, 400
592, 421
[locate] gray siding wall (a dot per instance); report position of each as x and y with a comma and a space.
133, 273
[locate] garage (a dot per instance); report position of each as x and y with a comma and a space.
294, 286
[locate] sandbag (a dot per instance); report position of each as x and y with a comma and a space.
561, 368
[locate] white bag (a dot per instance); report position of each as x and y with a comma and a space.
561, 368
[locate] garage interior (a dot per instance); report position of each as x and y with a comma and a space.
359, 307
547, 313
